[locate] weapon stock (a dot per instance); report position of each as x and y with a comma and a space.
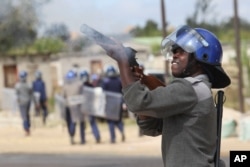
150, 81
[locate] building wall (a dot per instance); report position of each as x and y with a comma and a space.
28, 64
55, 67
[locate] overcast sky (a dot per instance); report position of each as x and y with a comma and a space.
116, 16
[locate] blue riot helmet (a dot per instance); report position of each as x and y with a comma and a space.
23, 76
71, 75
38, 75
84, 76
186, 38
204, 46
84, 73
111, 72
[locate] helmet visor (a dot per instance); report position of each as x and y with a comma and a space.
186, 38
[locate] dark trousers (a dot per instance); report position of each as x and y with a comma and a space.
44, 108
112, 124
24, 109
94, 128
71, 126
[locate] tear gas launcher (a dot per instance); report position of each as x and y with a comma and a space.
149, 80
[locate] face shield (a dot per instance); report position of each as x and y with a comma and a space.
186, 38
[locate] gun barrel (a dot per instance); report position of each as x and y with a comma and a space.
95, 36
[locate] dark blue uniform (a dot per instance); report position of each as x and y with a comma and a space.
39, 86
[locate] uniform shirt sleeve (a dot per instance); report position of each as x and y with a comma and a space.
177, 97
151, 126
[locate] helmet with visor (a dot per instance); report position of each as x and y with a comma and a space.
205, 47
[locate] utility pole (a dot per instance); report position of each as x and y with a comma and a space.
163, 19
238, 55
164, 33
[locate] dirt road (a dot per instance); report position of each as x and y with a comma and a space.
49, 146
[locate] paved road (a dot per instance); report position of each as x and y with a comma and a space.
76, 160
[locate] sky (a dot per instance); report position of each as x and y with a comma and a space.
117, 16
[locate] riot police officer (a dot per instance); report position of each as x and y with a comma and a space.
71, 90
84, 77
24, 98
112, 83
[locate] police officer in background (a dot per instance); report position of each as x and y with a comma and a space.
112, 83
72, 88
39, 86
24, 98
84, 77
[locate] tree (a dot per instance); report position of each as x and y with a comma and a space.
78, 44
58, 31
18, 23
203, 9
150, 29
47, 46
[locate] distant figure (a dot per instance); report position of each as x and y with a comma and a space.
96, 80
112, 83
39, 86
84, 77
72, 89
24, 98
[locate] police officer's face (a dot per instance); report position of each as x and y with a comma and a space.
179, 62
